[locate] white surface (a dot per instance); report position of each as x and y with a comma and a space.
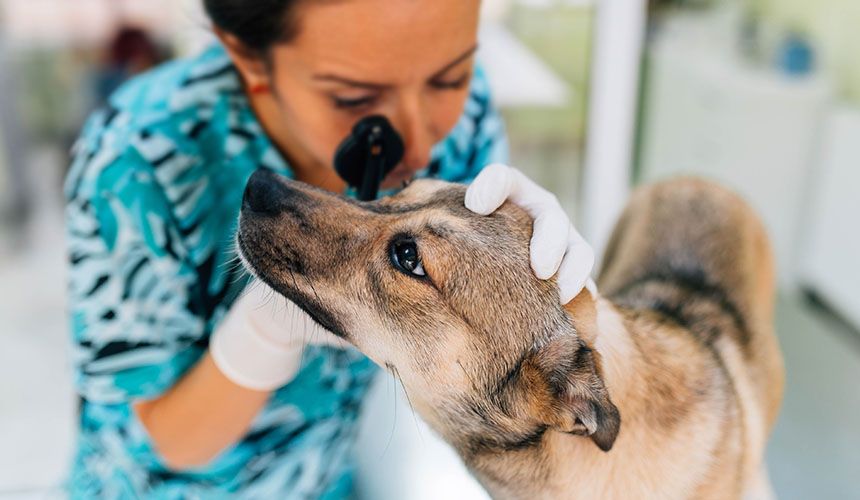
755, 131
399, 457
831, 239
517, 76
616, 58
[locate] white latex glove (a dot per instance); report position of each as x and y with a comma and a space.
260, 342
556, 246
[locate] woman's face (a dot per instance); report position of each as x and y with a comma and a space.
410, 60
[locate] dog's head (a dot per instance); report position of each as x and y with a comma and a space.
440, 296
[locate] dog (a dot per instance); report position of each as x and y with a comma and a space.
666, 385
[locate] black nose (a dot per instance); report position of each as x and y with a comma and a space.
265, 192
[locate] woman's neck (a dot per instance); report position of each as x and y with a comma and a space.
269, 112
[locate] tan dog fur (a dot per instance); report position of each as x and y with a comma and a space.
666, 386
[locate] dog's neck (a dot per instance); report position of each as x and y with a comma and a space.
574, 463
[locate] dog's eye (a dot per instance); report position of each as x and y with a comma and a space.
404, 255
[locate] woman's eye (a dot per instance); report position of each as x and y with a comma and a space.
453, 84
404, 255
359, 102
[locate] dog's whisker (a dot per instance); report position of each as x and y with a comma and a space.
310, 283
235, 259
230, 266
394, 401
305, 325
237, 273
240, 275
236, 268
249, 288
409, 400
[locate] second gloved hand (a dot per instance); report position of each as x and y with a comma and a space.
556, 247
260, 342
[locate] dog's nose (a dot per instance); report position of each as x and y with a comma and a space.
264, 193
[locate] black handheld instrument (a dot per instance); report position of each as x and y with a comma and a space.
367, 155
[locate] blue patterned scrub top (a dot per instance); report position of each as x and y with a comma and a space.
153, 195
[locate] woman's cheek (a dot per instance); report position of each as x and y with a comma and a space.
330, 129
447, 110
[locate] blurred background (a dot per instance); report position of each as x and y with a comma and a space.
599, 95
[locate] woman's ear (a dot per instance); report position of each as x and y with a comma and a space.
252, 64
564, 374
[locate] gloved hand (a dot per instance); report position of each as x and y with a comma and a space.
555, 246
260, 342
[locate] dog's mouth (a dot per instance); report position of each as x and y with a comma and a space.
312, 305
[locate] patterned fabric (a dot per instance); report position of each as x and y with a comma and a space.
152, 198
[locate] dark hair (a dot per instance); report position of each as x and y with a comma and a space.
130, 43
256, 23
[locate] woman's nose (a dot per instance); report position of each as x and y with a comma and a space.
418, 138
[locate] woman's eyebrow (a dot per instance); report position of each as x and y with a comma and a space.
328, 77
462, 57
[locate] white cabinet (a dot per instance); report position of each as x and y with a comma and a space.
754, 131
831, 251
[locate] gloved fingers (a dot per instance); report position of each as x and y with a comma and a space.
575, 270
260, 304
281, 320
556, 248
529, 195
551, 229
549, 241
302, 327
497, 183
490, 189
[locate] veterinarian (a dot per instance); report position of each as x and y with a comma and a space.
189, 388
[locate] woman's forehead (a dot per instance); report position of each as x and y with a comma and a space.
383, 41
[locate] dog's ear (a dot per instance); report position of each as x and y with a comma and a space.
564, 378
